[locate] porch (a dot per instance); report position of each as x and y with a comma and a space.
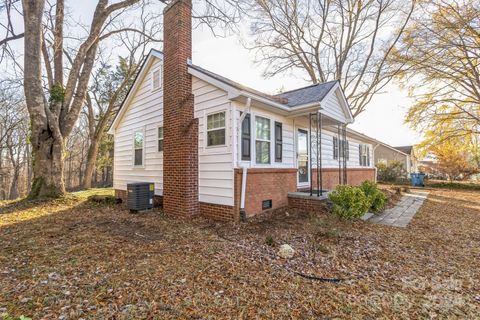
314, 178
321, 158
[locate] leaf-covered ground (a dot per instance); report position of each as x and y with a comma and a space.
72, 259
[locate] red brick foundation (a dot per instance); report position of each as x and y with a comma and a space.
309, 205
275, 184
265, 184
355, 176
219, 212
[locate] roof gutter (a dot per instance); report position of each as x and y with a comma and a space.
247, 95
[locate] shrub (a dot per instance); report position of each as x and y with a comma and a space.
349, 202
391, 171
376, 198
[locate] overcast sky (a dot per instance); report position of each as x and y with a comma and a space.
383, 118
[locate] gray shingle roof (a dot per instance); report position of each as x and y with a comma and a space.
405, 149
297, 97
308, 94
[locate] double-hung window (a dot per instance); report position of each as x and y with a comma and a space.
160, 139
138, 145
262, 139
364, 155
216, 129
341, 149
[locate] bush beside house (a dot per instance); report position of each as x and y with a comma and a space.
351, 202
393, 171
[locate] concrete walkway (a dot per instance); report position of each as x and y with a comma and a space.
403, 212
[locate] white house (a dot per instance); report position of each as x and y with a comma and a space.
245, 150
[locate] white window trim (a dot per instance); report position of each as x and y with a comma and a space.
158, 138
207, 130
159, 69
142, 130
296, 128
254, 144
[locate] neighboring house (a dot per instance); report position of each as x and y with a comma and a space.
384, 153
215, 147
412, 161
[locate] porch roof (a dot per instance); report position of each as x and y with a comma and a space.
305, 95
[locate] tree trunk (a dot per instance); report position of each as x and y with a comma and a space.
91, 161
14, 185
48, 165
29, 167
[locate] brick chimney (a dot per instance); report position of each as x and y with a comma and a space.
180, 153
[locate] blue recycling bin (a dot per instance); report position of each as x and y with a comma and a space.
417, 179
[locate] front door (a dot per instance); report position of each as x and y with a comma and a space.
302, 157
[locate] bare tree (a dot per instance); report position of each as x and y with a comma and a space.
13, 141
328, 40
109, 88
54, 111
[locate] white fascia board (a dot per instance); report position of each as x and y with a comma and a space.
343, 101
219, 84
141, 75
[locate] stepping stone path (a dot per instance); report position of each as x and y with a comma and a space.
403, 212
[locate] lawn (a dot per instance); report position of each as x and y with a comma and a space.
74, 259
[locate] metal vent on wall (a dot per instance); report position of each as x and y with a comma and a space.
266, 204
140, 196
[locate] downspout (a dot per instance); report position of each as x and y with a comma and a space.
243, 214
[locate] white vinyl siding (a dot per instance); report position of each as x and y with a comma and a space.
332, 106
144, 112
215, 167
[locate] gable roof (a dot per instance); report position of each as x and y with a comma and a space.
292, 102
405, 149
308, 94
147, 60
297, 99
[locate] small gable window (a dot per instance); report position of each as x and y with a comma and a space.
160, 139
156, 79
138, 144
216, 129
